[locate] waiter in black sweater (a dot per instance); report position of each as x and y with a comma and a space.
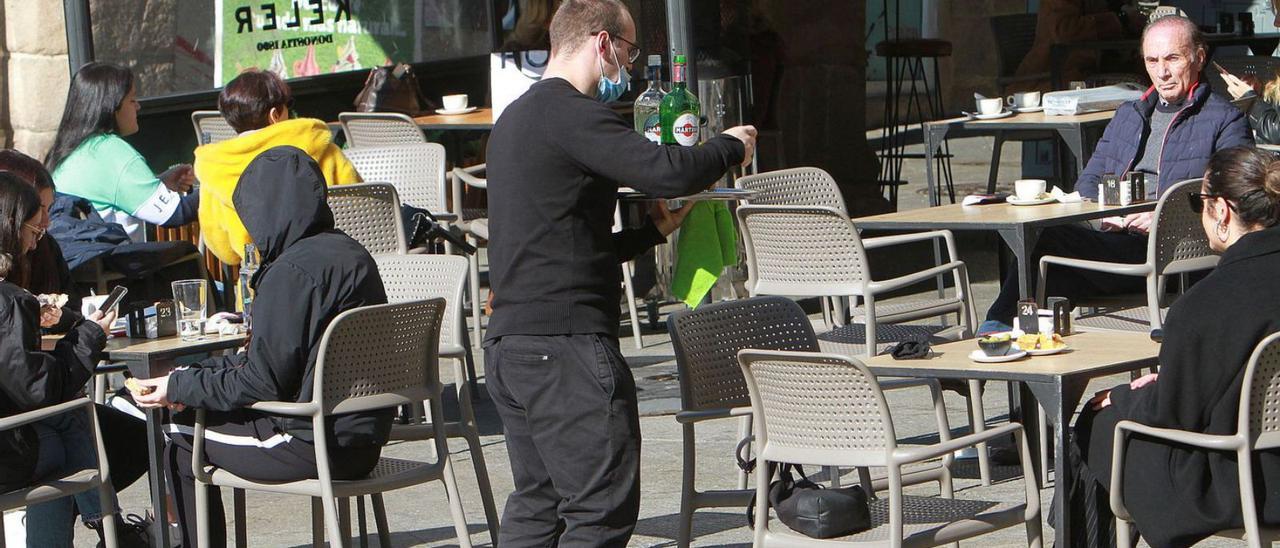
565, 394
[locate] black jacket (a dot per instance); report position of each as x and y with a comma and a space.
556, 159
1264, 117
31, 379
1180, 495
310, 273
80, 231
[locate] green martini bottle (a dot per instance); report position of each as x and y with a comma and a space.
680, 111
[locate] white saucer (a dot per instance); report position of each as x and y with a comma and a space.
1044, 352
1015, 201
448, 112
996, 116
1021, 110
980, 357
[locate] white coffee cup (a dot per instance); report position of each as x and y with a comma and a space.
1026, 99
1029, 189
454, 102
990, 106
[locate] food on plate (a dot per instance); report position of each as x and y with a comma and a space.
1041, 341
996, 344
136, 387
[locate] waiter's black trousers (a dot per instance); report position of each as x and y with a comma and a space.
568, 406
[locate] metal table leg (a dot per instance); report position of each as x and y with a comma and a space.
1022, 241
155, 458
933, 137
1059, 400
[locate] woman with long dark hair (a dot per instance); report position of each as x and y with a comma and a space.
90, 159
31, 379
42, 271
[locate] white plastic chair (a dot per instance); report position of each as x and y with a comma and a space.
211, 127
423, 277
370, 358
707, 341
78, 481
474, 224
379, 129
416, 171
829, 410
1257, 429
1177, 245
369, 213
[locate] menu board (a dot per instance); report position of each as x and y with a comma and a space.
298, 38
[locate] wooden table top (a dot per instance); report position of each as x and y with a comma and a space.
481, 118
1090, 353
996, 216
124, 348
1031, 119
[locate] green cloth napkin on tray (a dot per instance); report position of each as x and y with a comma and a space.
708, 242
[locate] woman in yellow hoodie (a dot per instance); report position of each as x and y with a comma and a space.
257, 105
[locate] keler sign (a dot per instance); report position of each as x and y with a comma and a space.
297, 38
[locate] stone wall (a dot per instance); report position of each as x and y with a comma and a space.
35, 74
973, 65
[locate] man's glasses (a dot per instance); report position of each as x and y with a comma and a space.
633, 51
38, 231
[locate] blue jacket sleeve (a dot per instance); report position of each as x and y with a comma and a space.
1235, 132
1103, 155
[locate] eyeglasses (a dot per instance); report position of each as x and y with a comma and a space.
38, 231
633, 52
1196, 201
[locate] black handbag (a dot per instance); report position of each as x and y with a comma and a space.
393, 88
813, 510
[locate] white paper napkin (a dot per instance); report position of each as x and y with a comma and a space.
1063, 197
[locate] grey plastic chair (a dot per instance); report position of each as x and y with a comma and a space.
369, 213
211, 127
370, 358
707, 341
78, 481
379, 129
416, 170
815, 251
474, 224
1177, 245
423, 277
1256, 430
829, 410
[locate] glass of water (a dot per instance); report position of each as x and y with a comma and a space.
190, 298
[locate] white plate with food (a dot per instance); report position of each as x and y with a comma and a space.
1041, 344
1045, 198
981, 357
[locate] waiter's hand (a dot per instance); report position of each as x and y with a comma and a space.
746, 134
667, 220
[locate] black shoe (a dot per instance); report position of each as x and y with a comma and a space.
133, 531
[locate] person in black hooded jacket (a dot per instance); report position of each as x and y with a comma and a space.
310, 273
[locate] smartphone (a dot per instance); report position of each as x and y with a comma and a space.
1218, 67
113, 299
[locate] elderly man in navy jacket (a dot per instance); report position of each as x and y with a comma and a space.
1169, 134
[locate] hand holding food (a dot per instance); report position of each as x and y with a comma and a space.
136, 387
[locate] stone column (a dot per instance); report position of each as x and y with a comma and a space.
821, 104
35, 74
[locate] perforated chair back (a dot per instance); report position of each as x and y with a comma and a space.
422, 277
801, 251
370, 213
1178, 242
707, 341
379, 356
379, 129
1260, 395
817, 409
416, 170
795, 186
211, 127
